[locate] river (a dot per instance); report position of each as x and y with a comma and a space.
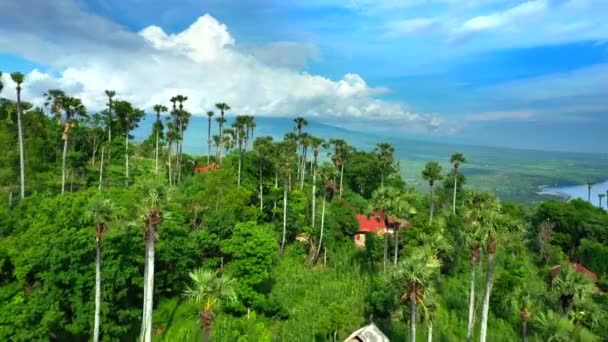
578, 191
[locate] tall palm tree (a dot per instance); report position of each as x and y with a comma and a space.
223, 108
327, 173
18, 78
263, 146
305, 142
154, 195
209, 116
456, 160
172, 135
600, 198
239, 128
252, 126
484, 214
385, 153
285, 161
72, 107
413, 276
316, 144
432, 173
129, 118
110, 94
209, 290
474, 236
100, 212
300, 123
159, 108
339, 157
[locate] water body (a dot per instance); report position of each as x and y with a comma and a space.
578, 191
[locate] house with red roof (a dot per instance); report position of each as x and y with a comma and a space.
554, 271
206, 168
375, 223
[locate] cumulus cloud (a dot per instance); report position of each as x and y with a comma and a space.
202, 62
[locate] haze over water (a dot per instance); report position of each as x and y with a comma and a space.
579, 191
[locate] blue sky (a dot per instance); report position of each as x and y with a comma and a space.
531, 74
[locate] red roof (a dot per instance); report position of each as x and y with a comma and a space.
578, 267
206, 168
375, 222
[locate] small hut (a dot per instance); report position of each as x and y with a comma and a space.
369, 333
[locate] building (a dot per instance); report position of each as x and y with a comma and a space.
376, 224
369, 333
554, 271
206, 168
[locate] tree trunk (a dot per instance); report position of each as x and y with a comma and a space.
432, 207
341, 177
206, 334
240, 161
170, 168
20, 133
261, 188
322, 227
524, 331
430, 333
101, 168
284, 219
486, 298
149, 292
303, 171
97, 293
63, 170
454, 199
209, 142
127, 159
471, 304
412, 317
314, 191
382, 179
156, 152
385, 251
94, 151
396, 246
221, 144
145, 285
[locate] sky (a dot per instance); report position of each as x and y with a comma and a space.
524, 74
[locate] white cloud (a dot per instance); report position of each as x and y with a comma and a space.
202, 62
513, 16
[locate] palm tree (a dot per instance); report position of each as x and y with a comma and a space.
385, 153
263, 146
18, 78
305, 142
432, 173
100, 212
159, 108
223, 108
413, 277
589, 186
209, 289
181, 119
172, 135
600, 198
327, 173
129, 118
154, 197
239, 129
484, 215
474, 245
209, 116
285, 160
456, 160
110, 94
300, 123
316, 144
72, 107
339, 157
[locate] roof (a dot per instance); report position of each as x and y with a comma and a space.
369, 333
206, 168
578, 267
375, 222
